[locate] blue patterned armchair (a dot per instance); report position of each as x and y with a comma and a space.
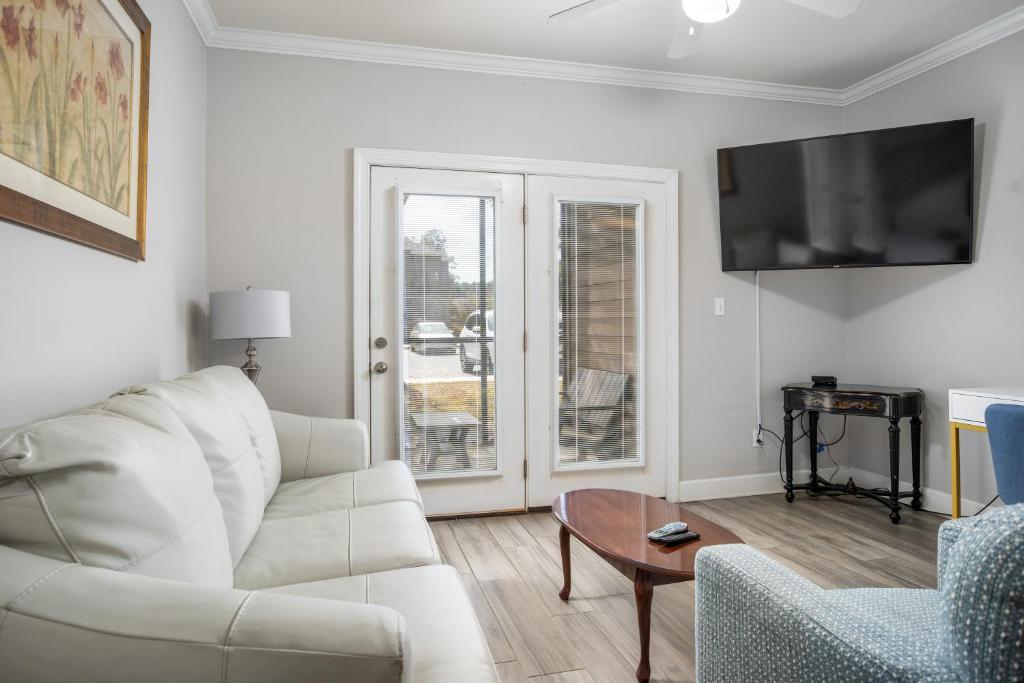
758, 621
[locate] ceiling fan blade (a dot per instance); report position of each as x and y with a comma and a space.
577, 11
832, 8
684, 39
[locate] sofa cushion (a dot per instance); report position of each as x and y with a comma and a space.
387, 482
253, 408
212, 416
120, 485
338, 543
447, 642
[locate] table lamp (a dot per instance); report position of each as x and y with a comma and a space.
250, 314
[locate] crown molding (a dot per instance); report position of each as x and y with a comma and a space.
251, 40
954, 48
203, 17
502, 65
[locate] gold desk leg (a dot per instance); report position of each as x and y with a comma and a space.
954, 458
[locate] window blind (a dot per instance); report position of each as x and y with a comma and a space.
447, 320
598, 334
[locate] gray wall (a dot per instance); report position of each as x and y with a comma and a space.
78, 323
280, 204
949, 326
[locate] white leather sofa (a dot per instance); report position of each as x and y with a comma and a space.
181, 531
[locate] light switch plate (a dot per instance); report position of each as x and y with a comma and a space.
719, 305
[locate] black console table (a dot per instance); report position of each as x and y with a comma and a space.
893, 403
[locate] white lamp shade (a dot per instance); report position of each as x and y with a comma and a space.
250, 314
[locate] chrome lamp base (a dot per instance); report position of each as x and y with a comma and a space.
251, 367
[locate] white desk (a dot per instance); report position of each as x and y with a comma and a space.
967, 411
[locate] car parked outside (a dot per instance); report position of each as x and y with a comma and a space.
472, 352
431, 337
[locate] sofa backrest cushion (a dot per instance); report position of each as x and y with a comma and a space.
229, 419
983, 598
253, 408
120, 485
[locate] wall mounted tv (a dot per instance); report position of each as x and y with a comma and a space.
895, 197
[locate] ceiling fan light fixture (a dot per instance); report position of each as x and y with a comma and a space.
710, 11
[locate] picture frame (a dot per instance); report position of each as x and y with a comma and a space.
74, 111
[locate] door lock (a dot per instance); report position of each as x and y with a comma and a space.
380, 367
380, 343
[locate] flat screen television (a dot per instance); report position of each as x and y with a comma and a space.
894, 197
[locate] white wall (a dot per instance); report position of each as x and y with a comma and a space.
79, 324
279, 199
949, 326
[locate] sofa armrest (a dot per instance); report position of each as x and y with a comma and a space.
315, 446
949, 534
742, 597
71, 622
756, 620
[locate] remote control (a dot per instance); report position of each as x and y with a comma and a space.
669, 529
680, 537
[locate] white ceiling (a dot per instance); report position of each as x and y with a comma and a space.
766, 40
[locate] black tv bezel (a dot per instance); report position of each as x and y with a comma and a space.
970, 200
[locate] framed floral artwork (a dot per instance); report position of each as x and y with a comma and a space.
74, 100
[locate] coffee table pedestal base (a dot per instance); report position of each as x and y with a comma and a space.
643, 589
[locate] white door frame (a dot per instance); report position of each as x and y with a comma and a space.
365, 158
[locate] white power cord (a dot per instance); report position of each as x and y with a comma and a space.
757, 351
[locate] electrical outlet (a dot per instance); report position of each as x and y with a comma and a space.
719, 305
757, 442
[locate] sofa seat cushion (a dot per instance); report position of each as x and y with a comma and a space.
121, 485
337, 543
447, 642
387, 482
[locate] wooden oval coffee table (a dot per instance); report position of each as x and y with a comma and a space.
614, 524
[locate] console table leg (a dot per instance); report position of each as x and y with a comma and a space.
915, 460
812, 439
563, 543
644, 594
788, 441
894, 470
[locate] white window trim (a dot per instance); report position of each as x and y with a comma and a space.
363, 159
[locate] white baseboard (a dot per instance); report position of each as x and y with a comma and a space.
768, 482
734, 487
931, 499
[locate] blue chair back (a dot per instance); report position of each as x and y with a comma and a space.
1005, 425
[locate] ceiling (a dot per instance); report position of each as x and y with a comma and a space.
766, 40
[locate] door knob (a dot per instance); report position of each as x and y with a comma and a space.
380, 367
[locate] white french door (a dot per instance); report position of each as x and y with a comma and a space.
522, 334
597, 270
446, 322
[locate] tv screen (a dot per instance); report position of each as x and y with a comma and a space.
901, 196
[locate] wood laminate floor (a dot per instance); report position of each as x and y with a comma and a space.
512, 571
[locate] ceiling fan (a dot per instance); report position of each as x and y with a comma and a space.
693, 14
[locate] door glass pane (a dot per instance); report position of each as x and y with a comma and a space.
598, 334
447, 321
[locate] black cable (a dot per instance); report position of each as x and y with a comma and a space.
806, 432
833, 443
986, 506
782, 442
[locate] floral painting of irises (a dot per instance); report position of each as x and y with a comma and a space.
66, 72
